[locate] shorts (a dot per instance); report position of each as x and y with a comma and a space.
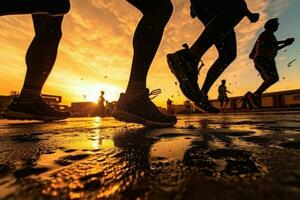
145, 5
206, 10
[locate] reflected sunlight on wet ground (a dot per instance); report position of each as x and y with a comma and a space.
204, 156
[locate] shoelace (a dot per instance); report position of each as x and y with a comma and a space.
154, 93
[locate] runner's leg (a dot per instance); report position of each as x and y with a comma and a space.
227, 49
41, 54
217, 29
148, 35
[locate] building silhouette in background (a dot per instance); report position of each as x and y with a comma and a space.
274, 101
53, 100
271, 102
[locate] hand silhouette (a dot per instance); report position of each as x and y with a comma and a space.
289, 41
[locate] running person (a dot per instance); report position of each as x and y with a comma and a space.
219, 18
135, 105
40, 58
223, 98
264, 53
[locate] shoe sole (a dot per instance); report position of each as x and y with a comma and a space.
131, 118
184, 83
180, 76
25, 116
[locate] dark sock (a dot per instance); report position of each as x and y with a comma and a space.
28, 95
135, 89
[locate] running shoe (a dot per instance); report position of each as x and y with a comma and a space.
205, 106
35, 110
142, 111
185, 68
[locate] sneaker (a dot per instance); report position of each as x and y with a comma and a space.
185, 68
36, 110
142, 111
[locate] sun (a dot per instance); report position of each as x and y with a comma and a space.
91, 93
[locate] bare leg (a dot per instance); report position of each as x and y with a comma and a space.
41, 54
217, 29
148, 35
227, 49
135, 105
268, 71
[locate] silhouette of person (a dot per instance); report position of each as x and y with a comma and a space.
263, 55
47, 18
101, 102
135, 105
223, 98
170, 107
219, 18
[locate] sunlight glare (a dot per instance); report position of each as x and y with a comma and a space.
91, 93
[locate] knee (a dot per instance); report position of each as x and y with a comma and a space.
274, 79
230, 57
51, 35
227, 58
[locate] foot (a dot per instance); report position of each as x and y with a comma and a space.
257, 100
35, 110
185, 68
251, 100
143, 111
205, 106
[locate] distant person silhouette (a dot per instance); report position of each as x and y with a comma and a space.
101, 104
223, 98
135, 105
170, 107
219, 18
47, 18
264, 53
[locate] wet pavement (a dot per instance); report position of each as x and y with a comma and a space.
203, 157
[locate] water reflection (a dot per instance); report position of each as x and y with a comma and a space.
99, 157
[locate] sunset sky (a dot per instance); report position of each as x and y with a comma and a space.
95, 51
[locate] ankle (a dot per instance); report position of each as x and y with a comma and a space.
135, 88
28, 95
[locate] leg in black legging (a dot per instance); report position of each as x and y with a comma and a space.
41, 54
53, 7
148, 35
227, 49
